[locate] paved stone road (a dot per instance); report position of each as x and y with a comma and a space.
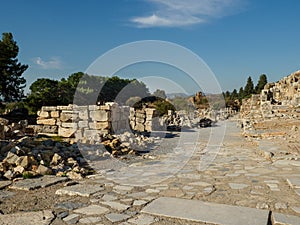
217, 181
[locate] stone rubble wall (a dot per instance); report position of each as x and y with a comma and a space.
92, 121
280, 100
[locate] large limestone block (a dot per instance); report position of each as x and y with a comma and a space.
139, 127
54, 114
83, 115
48, 108
50, 122
100, 125
43, 114
68, 116
69, 125
100, 115
66, 132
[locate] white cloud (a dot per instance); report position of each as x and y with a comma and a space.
180, 13
53, 63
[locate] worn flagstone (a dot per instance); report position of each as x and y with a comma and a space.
84, 190
41, 182
206, 212
27, 218
283, 219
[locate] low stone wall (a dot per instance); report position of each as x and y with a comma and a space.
92, 121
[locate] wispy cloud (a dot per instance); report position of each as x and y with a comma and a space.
180, 13
52, 63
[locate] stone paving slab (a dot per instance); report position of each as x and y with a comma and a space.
116, 217
84, 190
282, 219
294, 182
27, 218
206, 212
4, 183
92, 210
41, 182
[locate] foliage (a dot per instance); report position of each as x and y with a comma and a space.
160, 93
261, 83
11, 81
249, 88
241, 93
92, 89
44, 91
83, 89
161, 105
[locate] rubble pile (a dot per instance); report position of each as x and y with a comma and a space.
14, 130
34, 156
128, 143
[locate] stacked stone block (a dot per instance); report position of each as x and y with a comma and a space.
92, 121
144, 120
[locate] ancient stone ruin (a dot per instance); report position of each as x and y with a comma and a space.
278, 102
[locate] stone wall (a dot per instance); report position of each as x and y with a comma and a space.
92, 121
277, 101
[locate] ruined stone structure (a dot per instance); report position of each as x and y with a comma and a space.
92, 121
280, 100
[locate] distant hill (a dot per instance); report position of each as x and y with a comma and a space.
173, 95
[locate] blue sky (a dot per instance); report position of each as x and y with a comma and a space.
236, 38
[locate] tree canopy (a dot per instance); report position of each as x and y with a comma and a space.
83, 89
249, 88
11, 81
261, 83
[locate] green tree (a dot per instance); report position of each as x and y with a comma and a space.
11, 81
241, 93
67, 88
249, 88
261, 83
234, 95
44, 92
160, 93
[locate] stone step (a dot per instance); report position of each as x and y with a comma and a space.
206, 212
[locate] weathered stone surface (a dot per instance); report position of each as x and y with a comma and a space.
142, 220
51, 121
69, 205
30, 184
29, 218
116, 217
89, 220
49, 108
294, 182
100, 125
43, 114
44, 170
71, 219
68, 116
139, 202
100, 115
4, 184
54, 114
66, 132
11, 158
206, 212
116, 205
84, 190
237, 186
283, 219
92, 210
